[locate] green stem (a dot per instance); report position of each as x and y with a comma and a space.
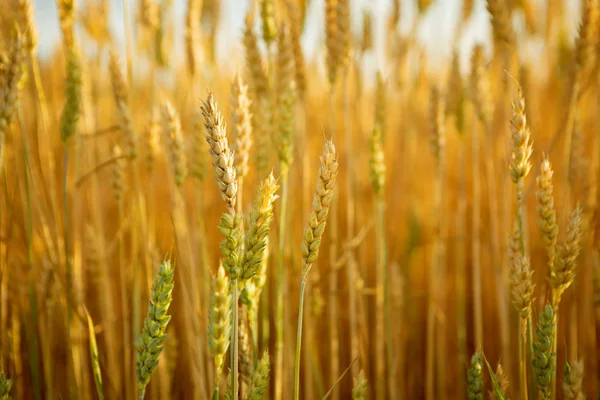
461, 284
299, 336
333, 315
68, 267
523, 358
281, 282
215, 395
234, 339
33, 335
387, 310
532, 384
142, 393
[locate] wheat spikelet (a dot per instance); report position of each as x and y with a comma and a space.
438, 126
269, 25
153, 333
95, 20
221, 153
359, 390
5, 386
480, 90
586, 38
260, 379
343, 32
331, 40
546, 210
563, 272
219, 320
377, 161
191, 35
475, 377
456, 94
66, 15
366, 42
232, 247
317, 218
246, 349
198, 150
286, 99
502, 378
254, 63
258, 231
573, 381
544, 359
11, 73
521, 284
501, 23
174, 137
577, 159
70, 115
242, 124
149, 14
27, 21
211, 15
514, 245
118, 174
295, 36
381, 105
121, 95
152, 138
520, 164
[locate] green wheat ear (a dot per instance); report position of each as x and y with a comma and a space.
359, 390
153, 333
544, 359
260, 378
5, 385
475, 378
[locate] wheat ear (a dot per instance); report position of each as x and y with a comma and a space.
475, 377
544, 358
5, 386
219, 323
573, 381
360, 388
153, 333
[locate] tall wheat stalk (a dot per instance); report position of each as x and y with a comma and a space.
311, 240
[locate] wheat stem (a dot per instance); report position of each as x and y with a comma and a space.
299, 337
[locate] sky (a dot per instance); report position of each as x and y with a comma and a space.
435, 33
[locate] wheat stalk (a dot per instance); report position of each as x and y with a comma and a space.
313, 233
219, 323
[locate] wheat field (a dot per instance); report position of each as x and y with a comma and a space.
310, 226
